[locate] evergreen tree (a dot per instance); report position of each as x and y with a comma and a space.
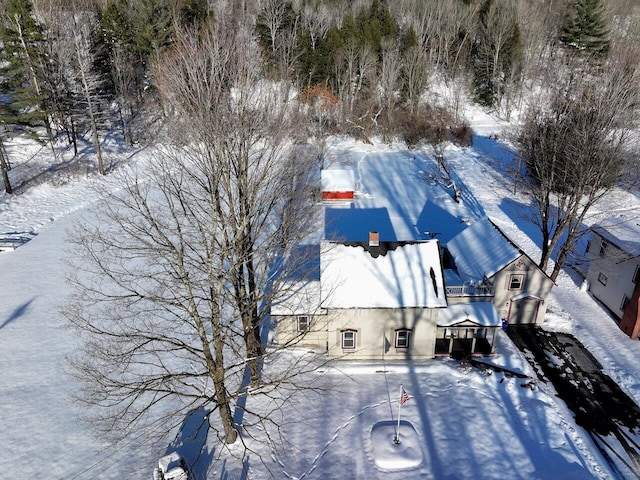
585, 30
375, 24
21, 110
151, 26
21, 69
194, 12
117, 62
113, 33
408, 40
497, 51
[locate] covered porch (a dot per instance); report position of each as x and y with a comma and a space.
467, 329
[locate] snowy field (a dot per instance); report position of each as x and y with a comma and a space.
460, 423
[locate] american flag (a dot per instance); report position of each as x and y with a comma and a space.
404, 398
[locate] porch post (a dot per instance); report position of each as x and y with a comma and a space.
473, 342
493, 342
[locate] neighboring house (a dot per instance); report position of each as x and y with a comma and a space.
484, 259
613, 274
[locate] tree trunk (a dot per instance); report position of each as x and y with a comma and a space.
220, 389
5, 167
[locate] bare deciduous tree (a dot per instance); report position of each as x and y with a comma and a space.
177, 274
415, 75
389, 82
576, 150
86, 79
316, 20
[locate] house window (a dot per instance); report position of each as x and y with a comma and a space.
636, 275
603, 248
625, 302
516, 281
602, 278
402, 338
348, 339
303, 324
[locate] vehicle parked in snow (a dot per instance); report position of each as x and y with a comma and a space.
171, 467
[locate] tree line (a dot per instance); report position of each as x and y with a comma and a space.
77, 69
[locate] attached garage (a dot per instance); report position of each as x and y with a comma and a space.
523, 309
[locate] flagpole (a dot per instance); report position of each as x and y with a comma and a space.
397, 439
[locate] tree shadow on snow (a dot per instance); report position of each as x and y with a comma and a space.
191, 442
17, 313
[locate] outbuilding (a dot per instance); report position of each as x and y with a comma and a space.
337, 184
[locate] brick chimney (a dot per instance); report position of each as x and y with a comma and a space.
374, 239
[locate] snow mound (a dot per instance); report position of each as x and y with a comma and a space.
391, 456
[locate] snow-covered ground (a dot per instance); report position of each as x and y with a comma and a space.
459, 423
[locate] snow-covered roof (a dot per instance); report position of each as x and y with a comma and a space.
481, 313
301, 298
481, 250
404, 277
337, 180
621, 230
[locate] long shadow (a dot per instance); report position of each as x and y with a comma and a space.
405, 203
17, 313
191, 442
241, 401
437, 222
354, 224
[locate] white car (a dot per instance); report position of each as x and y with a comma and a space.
171, 467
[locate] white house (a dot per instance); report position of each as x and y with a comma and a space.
613, 274
377, 300
371, 300
405, 271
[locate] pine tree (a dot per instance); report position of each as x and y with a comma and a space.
585, 30
21, 109
497, 51
21, 68
152, 26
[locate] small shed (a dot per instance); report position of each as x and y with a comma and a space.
337, 184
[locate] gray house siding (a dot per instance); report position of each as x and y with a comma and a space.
520, 290
376, 332
611, 273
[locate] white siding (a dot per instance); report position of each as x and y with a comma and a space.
610, 276
535, 283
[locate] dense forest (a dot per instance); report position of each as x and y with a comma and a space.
72, 69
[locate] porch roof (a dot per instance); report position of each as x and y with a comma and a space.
481, 313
